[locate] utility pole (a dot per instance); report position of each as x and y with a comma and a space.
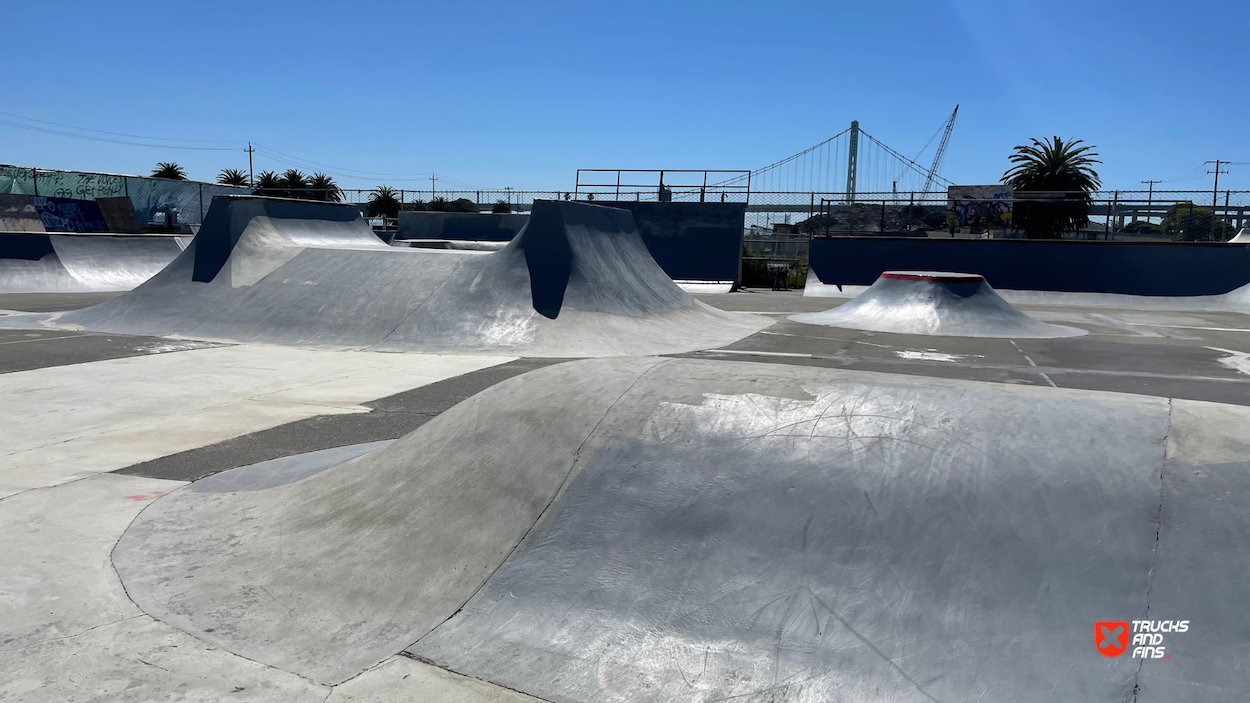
1150, 197
1216, 189
251, 180
432, 179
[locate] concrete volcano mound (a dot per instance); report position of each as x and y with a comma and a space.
679, 529
577, 281
934, 303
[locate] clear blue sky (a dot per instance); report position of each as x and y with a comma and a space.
521, 94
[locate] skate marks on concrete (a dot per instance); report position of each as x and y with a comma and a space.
445, 511
935, 303
71, 633
578, 281
721, 529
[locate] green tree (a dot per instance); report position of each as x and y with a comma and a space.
439, 204
268, 183
323, 187
1064, 169
295, 183
463, 205
1187, 222
501, 207
383, 201
414, 206
232, 177
170, 170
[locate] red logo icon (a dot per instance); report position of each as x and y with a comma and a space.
1111, 637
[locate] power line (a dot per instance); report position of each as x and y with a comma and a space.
89, 138
372, 174
115, 134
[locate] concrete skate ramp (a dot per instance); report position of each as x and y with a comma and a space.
52, 263
1243, 237
657, 530
577, 282
934, 303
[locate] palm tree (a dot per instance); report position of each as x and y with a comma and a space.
384, 201
232, 177
170, 170
501, 207
439, 204
295, 183
324, 188
1059, 167
268, 183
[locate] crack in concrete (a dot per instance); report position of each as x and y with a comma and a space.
76, 634
429, 662
1154, 554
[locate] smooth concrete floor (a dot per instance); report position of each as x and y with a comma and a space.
96, 427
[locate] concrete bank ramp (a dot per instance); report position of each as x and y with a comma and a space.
89, 263
934, 303
578, 281
675, 529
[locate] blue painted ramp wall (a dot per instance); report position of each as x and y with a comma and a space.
1131, 268
483, 227
691, 241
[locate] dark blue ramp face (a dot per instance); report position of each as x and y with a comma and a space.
691, 241
27, 247
466, 226
549, 257
1131, 268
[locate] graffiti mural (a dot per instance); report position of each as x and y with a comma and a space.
67, 215
979, 206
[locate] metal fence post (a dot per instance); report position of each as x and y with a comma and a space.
201, 189
34, 180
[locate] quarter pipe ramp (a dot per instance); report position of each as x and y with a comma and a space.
55, 263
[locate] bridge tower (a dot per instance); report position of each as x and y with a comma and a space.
852, 165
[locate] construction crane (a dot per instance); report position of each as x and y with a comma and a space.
941, 150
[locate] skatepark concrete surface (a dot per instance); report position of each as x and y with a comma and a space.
934, 303
786, 512
577, 281
80, 263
